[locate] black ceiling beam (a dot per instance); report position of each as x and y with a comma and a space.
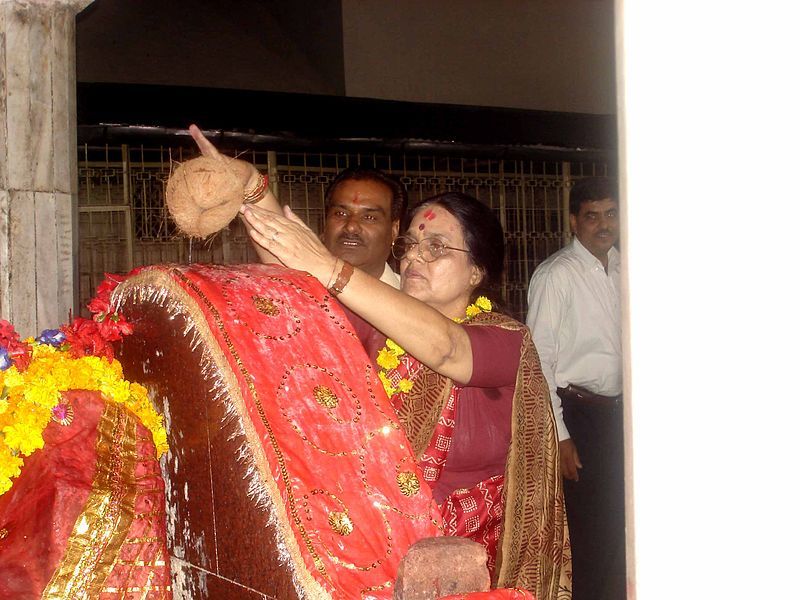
116, 111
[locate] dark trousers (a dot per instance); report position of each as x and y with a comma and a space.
595, 504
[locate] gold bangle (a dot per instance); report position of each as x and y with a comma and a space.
255, 194
342, 279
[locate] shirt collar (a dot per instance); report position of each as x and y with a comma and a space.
591, 262
390, 277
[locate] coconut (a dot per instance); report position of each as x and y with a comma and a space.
203, 195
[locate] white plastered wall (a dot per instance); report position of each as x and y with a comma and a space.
543, 55
709, 128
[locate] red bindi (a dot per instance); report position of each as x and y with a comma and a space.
429, 214
421, 226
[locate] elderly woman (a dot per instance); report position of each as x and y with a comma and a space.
465, 380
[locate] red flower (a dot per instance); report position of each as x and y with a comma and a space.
113, 326
99, 306
101, 303
18, 351
85, 339
108, 284
108, 325
7, 332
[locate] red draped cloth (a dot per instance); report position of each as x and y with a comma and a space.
324, 450
85, 518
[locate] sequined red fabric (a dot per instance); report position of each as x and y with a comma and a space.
329, 456
325, 452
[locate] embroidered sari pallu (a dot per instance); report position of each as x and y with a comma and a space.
288, 472
518, 515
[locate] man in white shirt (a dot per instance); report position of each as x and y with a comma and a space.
574, 317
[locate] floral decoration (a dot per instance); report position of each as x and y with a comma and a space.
389, 356
78, 356
388, 359
482, 304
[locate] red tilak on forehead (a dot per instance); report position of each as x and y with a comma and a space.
429, 214
421, 226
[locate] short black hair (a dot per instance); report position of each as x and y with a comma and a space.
591, 189
398, 190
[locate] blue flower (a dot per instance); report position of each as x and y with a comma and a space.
5, 359
51, 337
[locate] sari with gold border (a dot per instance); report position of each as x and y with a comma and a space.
534, 552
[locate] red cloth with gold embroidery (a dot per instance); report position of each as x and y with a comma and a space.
326, 452
85, 518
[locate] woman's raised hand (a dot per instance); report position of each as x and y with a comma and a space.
245, 171
290, 240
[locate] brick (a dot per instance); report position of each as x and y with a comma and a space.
440, 566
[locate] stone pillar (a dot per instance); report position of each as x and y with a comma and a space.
38, 162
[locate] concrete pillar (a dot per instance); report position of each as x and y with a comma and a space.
38, 162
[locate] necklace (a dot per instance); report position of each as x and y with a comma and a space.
389, 356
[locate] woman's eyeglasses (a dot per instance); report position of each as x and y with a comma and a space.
428, 249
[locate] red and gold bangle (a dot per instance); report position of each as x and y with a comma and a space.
255, 194
342, 279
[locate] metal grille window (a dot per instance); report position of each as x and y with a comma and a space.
124, 222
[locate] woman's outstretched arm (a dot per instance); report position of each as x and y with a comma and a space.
421, 330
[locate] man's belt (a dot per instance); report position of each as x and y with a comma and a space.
578, 395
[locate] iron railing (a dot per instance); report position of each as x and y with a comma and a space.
124, 222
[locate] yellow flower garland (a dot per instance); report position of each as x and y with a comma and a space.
27, 400
389, 356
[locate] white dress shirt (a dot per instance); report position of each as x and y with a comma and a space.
574, 317
390, 277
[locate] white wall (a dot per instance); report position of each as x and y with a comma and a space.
553, 55
709, 91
